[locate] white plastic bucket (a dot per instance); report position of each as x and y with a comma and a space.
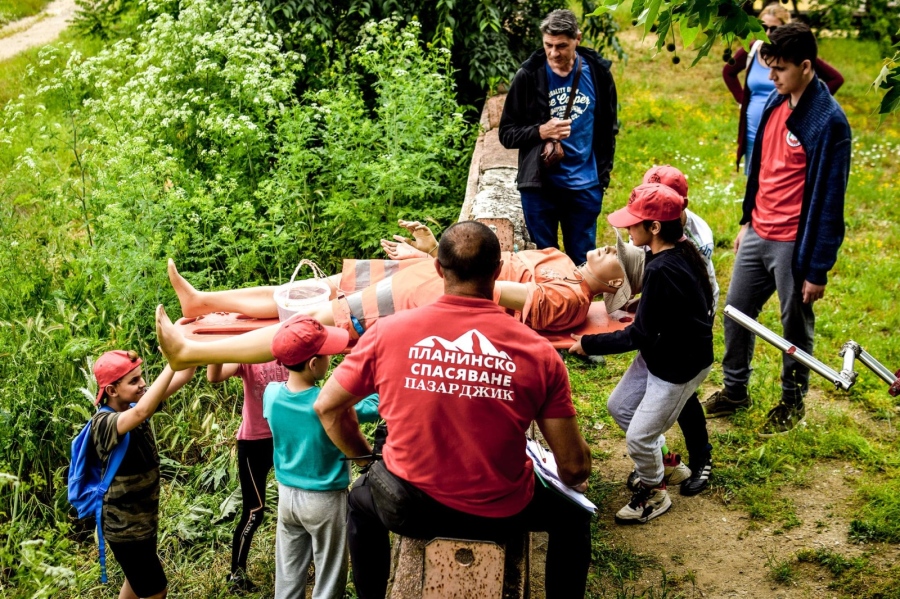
294, 297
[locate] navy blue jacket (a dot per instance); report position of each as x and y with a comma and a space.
821, 126
527, 107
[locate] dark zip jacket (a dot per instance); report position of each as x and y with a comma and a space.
527, 107
821, 126
672, 327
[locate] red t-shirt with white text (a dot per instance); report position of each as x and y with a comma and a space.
459, 382
782, 176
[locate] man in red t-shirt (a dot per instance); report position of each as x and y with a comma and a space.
459, 382
792, 224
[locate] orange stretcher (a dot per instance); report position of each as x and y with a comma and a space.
219, 325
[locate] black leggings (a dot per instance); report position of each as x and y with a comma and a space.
254, 464
692, 421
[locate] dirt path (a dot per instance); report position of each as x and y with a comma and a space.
38, 30
711, 550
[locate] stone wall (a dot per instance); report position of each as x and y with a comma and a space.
491, 194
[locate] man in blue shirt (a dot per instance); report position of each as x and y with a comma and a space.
568, 195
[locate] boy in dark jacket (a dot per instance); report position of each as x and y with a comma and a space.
792, 223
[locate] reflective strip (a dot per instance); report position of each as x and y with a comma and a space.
363, 272
384, 297
391, 267
355, 303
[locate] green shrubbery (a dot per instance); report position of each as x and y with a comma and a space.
186, 140
348, 165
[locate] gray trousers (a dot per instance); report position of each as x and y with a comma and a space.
311, 525
761, 268
645, 407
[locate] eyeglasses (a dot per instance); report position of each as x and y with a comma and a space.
769, 28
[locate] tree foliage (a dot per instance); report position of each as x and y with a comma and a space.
488, 41
699, 23
889, 80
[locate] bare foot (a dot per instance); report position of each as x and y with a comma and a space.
400, 250
188, 297
423, 239
171, 342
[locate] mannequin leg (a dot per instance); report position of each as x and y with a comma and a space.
252, 301
254, 347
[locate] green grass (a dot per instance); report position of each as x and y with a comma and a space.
670, 114
12, 10
686, 117
781, 571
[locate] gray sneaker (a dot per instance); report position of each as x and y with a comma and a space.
782, 418
721, 404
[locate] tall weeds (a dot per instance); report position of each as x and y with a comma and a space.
181, 141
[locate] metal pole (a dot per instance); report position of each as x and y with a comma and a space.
792, 350
877, 367
849, 351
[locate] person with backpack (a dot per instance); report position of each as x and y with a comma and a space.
130, 512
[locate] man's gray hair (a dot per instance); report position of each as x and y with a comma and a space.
560, 22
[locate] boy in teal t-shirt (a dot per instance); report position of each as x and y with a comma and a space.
312, 479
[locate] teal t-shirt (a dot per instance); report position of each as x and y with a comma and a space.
305, 458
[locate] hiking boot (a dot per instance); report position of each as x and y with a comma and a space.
674, 472
645, 504
239, 584
782, 418
699, 478
723, 403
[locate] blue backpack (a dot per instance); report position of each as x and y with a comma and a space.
88, 481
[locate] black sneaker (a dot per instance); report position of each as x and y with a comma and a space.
722, 403
782, 418
239, 584
699, 479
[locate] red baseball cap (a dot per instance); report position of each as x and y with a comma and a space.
302, 337
111, 367
670, 177
650, 201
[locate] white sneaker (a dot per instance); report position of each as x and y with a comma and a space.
675, 472
646, 504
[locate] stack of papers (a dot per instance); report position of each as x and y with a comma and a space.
545, 467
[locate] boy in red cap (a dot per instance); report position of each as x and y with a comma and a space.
672, 332
312, 478
131, 505
695, 228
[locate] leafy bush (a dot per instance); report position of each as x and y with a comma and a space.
206, 83
187, 141
877, 20
348, 167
